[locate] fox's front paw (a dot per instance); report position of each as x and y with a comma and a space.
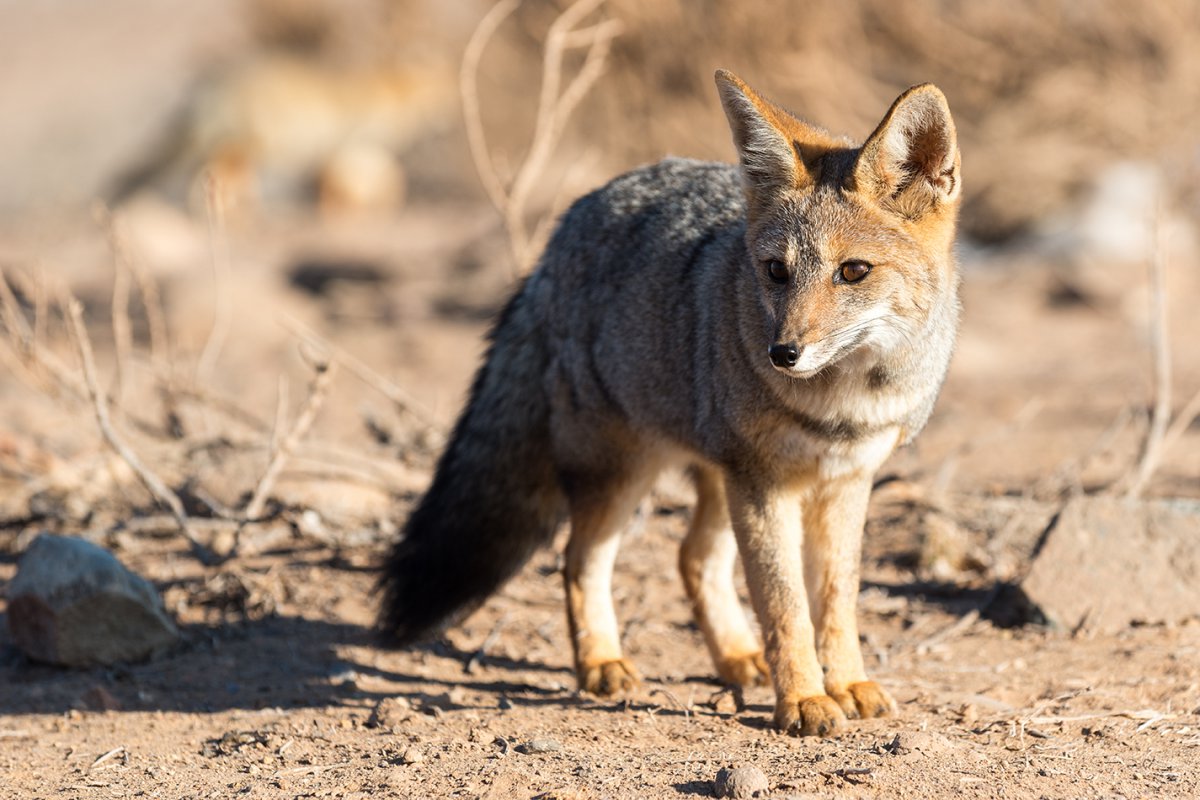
609, 678
818, 715
748, 670
865, 699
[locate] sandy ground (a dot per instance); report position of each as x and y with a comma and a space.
279, 689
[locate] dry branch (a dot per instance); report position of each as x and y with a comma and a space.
364, 373
26, 344
223, 307
156, 318
308, 415
1160, 414
468, 86
159, 490
206, 396
555, 106
122, 329
1183, 420
281, 406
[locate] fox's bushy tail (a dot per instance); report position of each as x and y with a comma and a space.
495, 496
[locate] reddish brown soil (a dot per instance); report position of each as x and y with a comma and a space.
279, 689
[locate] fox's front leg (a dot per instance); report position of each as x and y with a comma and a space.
767, 523
834, 516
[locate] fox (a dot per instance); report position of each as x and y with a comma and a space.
776, 328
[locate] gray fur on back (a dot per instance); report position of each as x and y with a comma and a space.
651, 317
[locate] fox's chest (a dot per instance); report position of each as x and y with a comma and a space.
798, 453
840, 430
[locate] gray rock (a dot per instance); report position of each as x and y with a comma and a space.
72, 603
740, 782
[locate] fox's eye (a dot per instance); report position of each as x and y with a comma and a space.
777, 271
854, 271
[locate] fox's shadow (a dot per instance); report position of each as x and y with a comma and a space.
273, 662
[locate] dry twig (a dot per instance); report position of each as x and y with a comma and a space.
159, 490
116, 751
223, 308
1160, 415
121, 327
364, 373
961, 625
1183, 420
468, 86
308, 414
555, 106
26, 346
281, 406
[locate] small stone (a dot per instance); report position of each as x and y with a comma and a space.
534, 746
740, 782
73, 603
921, 744
724, 702
389, 712
412, 755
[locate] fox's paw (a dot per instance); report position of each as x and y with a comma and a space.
746, 670
609, 678
818, 715
865, 700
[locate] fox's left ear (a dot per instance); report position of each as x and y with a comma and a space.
910, 164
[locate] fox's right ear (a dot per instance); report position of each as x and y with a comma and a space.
776, 149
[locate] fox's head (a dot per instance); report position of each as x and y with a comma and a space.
851, 246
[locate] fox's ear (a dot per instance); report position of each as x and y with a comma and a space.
776, 149
910, 164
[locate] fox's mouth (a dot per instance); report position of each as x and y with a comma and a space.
806, 368
798, 373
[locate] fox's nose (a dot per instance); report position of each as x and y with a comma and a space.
784, 355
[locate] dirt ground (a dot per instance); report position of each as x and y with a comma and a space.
279, 688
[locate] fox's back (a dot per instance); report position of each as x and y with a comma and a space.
634, 279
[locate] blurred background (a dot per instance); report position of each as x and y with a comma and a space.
210, 178
1055, 101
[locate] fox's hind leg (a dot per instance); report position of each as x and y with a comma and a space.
601, 503
706, 561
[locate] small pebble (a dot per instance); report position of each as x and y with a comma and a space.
412, 756
740, 782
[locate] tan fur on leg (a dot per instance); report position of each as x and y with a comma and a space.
707, 559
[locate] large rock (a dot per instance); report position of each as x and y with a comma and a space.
72, 603
1106, 563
